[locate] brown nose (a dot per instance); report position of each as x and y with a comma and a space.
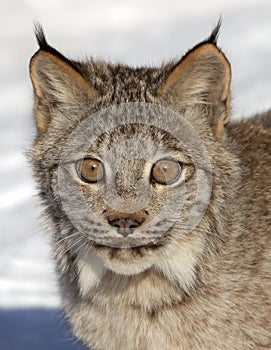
125, 226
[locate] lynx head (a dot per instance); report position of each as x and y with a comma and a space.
131, 162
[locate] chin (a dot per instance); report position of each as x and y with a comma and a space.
126, 261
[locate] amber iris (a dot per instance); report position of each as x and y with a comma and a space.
90, 170
166, 171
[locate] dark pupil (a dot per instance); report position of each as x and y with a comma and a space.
93, 167
165, 168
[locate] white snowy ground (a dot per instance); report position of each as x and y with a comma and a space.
136, 32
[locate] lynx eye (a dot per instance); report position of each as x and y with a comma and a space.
166, 171
90, 170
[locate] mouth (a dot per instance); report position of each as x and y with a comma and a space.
128, 255
139, 250
138, 239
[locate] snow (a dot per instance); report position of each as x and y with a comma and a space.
136, 32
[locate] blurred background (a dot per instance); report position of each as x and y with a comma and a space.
136, 32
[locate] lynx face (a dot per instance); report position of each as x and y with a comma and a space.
131, 189
124, 157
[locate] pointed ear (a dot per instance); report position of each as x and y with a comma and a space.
202, 77
56, 82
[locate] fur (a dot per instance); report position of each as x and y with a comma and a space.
206, 289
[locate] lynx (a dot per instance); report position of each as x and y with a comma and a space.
158, 205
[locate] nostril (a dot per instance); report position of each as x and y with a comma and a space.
125, 226
133, 226
131, 223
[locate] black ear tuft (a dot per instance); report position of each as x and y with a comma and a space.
215, 33
40, 36
44, 46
